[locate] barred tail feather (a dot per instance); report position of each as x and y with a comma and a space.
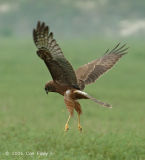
82, 95
99, 102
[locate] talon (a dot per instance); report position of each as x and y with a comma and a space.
80, 128
66, 128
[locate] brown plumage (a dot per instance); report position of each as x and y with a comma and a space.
90, 72
66, 81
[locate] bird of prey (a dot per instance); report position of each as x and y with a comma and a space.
66, 81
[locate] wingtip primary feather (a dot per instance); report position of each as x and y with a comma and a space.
34, 35
107, 51
46, 29
51, 34
34, 32
119, 49
40, 35
115, 47
38, 24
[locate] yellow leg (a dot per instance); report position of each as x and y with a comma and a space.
66, 125
79, 126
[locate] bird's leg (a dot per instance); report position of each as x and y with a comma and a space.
79, 126
66, 125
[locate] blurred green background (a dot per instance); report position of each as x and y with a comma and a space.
77, 18
31, 121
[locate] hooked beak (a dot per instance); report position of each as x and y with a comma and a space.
46, 91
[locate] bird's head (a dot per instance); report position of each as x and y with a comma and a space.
49, 87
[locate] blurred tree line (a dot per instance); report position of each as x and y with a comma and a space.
67, 17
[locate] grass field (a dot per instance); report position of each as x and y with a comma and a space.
33, 122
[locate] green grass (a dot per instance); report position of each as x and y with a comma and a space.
31, 121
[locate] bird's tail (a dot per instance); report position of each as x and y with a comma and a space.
84, 95
99, 102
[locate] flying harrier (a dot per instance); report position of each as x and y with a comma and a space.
66, 81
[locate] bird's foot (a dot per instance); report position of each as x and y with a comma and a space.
80, 128
66, 128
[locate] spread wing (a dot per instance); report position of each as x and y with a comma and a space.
90, 72
48, 50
